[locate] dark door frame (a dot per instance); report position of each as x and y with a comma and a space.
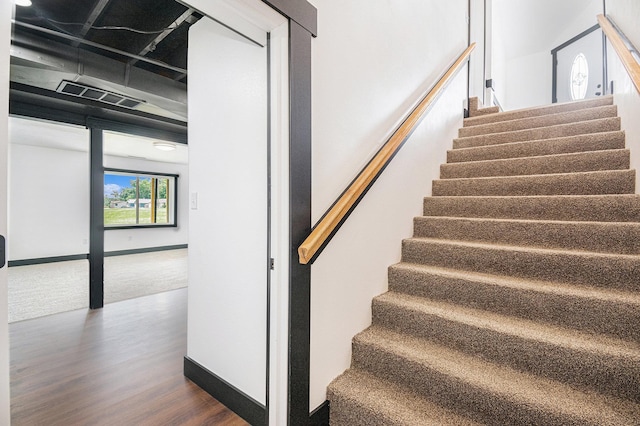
554, 63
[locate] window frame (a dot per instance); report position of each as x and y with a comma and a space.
138, 174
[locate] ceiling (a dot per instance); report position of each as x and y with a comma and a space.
130, 48
531, 26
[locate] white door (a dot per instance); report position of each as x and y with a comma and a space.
228, 229
579, 69
5, 31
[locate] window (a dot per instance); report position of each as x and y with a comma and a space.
579, 78
133, 199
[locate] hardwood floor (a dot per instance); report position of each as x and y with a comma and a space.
121, 365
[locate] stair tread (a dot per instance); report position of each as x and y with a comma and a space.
538, 157
607, 311
540, 133
630, 225
567, 197
504, 382
574, 162
392, 404
540, 121
530, 285
585, 268
591, 182
539, 110
545, 176
602, 237
517, 327
552, 146
518, 248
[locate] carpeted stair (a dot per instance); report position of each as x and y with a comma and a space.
517, 301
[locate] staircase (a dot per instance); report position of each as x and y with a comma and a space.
517, 301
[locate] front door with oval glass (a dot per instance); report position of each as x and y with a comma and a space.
578, 67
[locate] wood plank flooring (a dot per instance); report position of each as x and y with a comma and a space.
121, 365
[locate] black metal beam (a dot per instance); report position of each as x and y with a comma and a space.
96, 222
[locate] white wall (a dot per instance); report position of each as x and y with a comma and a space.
49, 199
523, 34
49, 194
371, 62
626, 14
528, 80
5, 32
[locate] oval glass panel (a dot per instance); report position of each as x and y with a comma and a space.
579, 78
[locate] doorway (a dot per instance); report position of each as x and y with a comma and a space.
578, 67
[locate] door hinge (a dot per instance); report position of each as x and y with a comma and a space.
272, 264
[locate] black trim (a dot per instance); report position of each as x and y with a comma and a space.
3, 251
145, 250
52, 259
96, 221
236, 400
85, 256
299, 223
554, 77
320, 416
576, 38
554, 60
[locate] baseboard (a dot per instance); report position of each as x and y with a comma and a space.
320, 416
145, 250
53, 259
234, 399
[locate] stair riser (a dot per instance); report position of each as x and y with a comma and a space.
536, 112
621, 238
540, 121
566, 163
590, 183
613, 318
613, 375
592, 126
597, 270
453, 393
347, 412
604, 208
484, 111
571, 144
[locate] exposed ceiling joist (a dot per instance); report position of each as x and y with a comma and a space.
91, 19
185, 17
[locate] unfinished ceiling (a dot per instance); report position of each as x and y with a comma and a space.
123, 53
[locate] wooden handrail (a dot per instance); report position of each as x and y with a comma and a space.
629, 62
341, 208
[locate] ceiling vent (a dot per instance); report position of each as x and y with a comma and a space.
83, 91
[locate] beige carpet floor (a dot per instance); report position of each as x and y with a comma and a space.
40, 290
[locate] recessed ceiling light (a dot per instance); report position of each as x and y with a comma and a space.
25, 3
164, 146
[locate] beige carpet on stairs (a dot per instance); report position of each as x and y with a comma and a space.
517, 300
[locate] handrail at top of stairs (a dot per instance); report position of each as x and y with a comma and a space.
335, 216
617, 40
